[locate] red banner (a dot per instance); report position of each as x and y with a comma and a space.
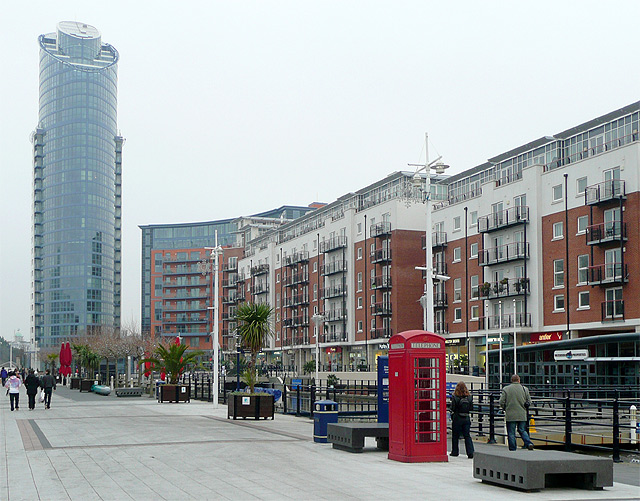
545, 337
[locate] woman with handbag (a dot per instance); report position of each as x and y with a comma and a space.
461, 407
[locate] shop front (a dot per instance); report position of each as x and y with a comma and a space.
456, 354
333, 358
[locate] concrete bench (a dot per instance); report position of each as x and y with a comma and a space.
128, 392
534, 470
350, 436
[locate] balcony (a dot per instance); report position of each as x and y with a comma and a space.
229, 267
174, 282
440, 300
261, 288
335, 291
184, 259
441, 327
296, 278
287, 322
296, 300
503, 219
183, 307
297, 257
439, 239
612, 311
184, 320
611, 231
504, 253
381, 282
181, 270
608, 274
380, 229
381, 256
260, 269
334, 337
381, 309
300, 321
606, 191
230, 282
241, 278
229, 299
508, 321
381, 332
334, 267
334, 243
337, 315
504, 288
301, 340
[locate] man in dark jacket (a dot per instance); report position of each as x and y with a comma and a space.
515, 400
32, 383
48, 383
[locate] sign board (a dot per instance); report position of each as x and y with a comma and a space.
383, 389
383, 346
570, 354
425, 345
183, 389
296, 383
458, 341
246, 400
545, 337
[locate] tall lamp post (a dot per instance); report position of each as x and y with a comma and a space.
439, 168
318, 320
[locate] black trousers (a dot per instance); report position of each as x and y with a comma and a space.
47, 397
32, 400
15, 400
461, 426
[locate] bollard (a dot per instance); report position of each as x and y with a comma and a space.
633, 422
111, 385
616, 431
567, 423
480, 415
492, 421
297, 400
312, 400
284, 398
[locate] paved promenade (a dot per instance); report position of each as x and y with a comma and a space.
91, 447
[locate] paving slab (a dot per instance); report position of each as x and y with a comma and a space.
90, 447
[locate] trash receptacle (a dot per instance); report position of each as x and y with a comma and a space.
475, 370
324, 412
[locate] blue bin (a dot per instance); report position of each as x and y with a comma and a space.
324, 412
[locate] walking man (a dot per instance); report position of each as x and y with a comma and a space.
515, 400
48, 384
3, 375
32, 383
13, 384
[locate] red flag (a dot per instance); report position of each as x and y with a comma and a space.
177, 341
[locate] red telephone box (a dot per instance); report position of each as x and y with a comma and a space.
417, 397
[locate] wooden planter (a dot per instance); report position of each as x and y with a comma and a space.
75, 383
250, 406
86, 384
174, 393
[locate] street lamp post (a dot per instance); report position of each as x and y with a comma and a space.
515, 334
318, 320
500, 345
439, 168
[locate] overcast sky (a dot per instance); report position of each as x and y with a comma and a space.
231, 108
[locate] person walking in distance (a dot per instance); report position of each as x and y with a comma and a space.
48, 384
461, 407
32, 383
3, 375
515, 400
13, 384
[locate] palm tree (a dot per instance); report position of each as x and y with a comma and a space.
254, 328
172, 359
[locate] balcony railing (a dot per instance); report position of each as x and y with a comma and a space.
297, 257
301, 340
612, 310
503, 219
504, 288
260, 269
334, 337
439, 239
181, 270
382, 309
261, 288
230, 282
605, 191
508, 321
181, 307
297, 278
440, 268
335, 315
230, 267
611, 231
441, 327
296, 300
440, 300
334, 243
504, 253
229, 299
608, 274
381, 282
381, 256
334, 267
335, 291
381, 332
380, 229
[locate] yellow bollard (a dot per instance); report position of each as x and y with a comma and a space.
532, 426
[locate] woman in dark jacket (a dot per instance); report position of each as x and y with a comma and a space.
461, 407
32, 384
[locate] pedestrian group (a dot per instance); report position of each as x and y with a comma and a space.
14, 379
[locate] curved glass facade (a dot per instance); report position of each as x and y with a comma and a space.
77, 175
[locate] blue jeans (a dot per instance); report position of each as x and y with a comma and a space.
461, 426
511, 434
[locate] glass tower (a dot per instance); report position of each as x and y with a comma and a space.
77, 160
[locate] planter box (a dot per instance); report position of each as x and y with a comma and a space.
174, 393
75, 383
86, 384
250, 406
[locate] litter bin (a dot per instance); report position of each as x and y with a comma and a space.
158, 384
475, 370
324, 412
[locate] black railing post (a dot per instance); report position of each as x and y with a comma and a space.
284, 398
312, 400
616, 430
297, 400
492, 420
480, 413
210, 397
224, 388
567, 423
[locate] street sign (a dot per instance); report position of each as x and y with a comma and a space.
570, 354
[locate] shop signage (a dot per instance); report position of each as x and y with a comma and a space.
383, 346
544, 337
334, 349
570, 354
460, 341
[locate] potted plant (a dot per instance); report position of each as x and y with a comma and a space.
171, 360
485, 288
504, 283
524, 284
254, 329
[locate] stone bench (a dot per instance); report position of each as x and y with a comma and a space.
534, 470
128, 392
350, 436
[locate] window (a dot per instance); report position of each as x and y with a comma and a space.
557, 230
583, 222
456, 254
583, 269
359, 325
456, 223
195, 342
359, 228
558, 273
558, 302
360, 303
457, 289
474, 286
315, 266
581, 186
475, 312
556, 192
473, 251
315, 292
474, 217
583, 300
457, 315
277, 277
359, 252
359, 281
